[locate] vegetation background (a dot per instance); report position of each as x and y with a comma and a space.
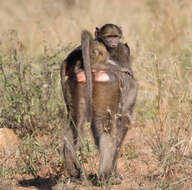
36, 35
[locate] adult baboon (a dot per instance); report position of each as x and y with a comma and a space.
106, 113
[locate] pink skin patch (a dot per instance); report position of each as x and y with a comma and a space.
101, 76
98, 76
81, 76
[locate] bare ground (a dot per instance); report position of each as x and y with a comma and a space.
136, 164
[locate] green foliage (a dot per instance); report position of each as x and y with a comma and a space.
36, 155
30, 88
84, 154
31, 104
185, 59
147, 110
130, 152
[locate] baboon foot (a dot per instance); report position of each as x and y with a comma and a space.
72, 164
118, 175
74, 173
113, 180
72, 168
75, 180
93, 178
102, 181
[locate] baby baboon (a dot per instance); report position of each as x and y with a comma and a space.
100, 55
106, 63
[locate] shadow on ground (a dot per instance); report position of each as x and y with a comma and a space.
48, 183
40, 183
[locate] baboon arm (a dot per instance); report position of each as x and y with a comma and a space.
62, 75
111, 67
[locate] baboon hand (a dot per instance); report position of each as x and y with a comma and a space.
126, 70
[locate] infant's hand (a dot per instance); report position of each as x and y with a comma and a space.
126, 70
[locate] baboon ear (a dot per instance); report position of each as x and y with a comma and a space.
97, 32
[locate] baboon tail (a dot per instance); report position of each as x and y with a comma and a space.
87, 50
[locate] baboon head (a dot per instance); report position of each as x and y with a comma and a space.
109, 34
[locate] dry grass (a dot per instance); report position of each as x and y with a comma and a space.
160, 36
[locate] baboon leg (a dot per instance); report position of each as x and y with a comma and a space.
72, 144
108, 152
104, 126
74, 133
122, 128
107, 141
80, 118
107, 160
71, 162
128, 98
121, 133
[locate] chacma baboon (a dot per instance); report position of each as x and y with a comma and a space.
110, 73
